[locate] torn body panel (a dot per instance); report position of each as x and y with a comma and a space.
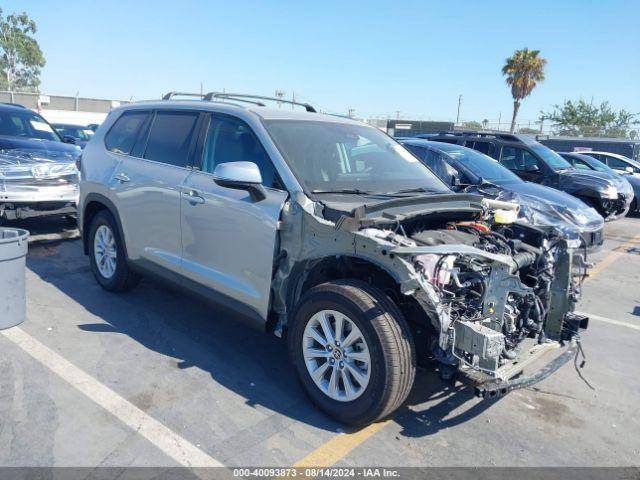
481, 293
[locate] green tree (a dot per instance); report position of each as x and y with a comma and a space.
20, 56
524, 70
528, 131
590, 120
472, 125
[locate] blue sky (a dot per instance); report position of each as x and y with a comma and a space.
376, 57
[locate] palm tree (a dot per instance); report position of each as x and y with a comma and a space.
524, 70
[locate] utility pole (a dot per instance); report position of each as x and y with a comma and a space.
499, 118
458, 115
397, 114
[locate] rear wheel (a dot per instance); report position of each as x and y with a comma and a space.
107, 257
352, 350
633, 209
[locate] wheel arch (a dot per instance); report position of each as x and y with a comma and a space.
93, 204
309, 273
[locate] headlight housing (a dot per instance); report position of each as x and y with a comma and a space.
609, 192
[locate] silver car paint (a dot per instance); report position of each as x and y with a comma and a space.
149, 205
235, 261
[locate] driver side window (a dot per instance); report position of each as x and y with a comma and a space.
518, 159
231, 140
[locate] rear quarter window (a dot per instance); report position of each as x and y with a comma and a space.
122, 135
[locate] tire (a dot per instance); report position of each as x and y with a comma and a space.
391, 351
633, 209
122, 278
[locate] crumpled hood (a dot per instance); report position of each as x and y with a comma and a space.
22, 164
11, 143
581, 178
545, 206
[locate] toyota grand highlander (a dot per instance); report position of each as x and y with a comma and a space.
328, 232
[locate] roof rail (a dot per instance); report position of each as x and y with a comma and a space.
170, 95
482, 134
241, 97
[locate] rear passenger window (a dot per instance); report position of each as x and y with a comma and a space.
170, 137
123, 133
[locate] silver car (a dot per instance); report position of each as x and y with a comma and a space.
36, 183
328, 232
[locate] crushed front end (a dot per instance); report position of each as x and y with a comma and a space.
37, 183
498, 295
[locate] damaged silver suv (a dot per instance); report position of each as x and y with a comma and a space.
328, 231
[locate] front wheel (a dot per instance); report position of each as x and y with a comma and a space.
352, 350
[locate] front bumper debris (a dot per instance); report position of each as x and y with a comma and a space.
497, 388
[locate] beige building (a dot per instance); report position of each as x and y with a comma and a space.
61, 109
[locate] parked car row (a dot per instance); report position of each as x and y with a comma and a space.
369, 255
610, 194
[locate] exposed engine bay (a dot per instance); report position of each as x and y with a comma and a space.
493, 309
492, 292
494, 289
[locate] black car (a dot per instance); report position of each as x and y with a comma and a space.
79, 133
534, 162
21, 128
586, 161
469, 171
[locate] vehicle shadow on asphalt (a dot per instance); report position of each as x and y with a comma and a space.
197, 334
434, 405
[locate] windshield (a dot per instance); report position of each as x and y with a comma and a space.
16, 123
81, 133
480, 165
596, 164
333, 157
550, 157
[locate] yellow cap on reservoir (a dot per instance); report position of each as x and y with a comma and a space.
505, 216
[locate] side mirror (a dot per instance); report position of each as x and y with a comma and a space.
241, 176
455, 179
68, 139
629, 169
531, 168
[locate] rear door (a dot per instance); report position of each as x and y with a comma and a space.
229, 240
147, 188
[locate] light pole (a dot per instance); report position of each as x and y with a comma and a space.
458, 115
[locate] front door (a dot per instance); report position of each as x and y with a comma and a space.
522, 163
229, 240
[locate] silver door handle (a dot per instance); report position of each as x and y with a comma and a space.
192, 197
122, 177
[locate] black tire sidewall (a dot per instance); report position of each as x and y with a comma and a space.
369, 402
118, 279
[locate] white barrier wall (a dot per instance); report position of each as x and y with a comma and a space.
73, 117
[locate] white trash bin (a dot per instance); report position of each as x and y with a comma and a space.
13, 252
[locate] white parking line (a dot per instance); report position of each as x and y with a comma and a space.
610, 320
172, 444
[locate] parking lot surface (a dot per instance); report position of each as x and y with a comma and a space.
157, 378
